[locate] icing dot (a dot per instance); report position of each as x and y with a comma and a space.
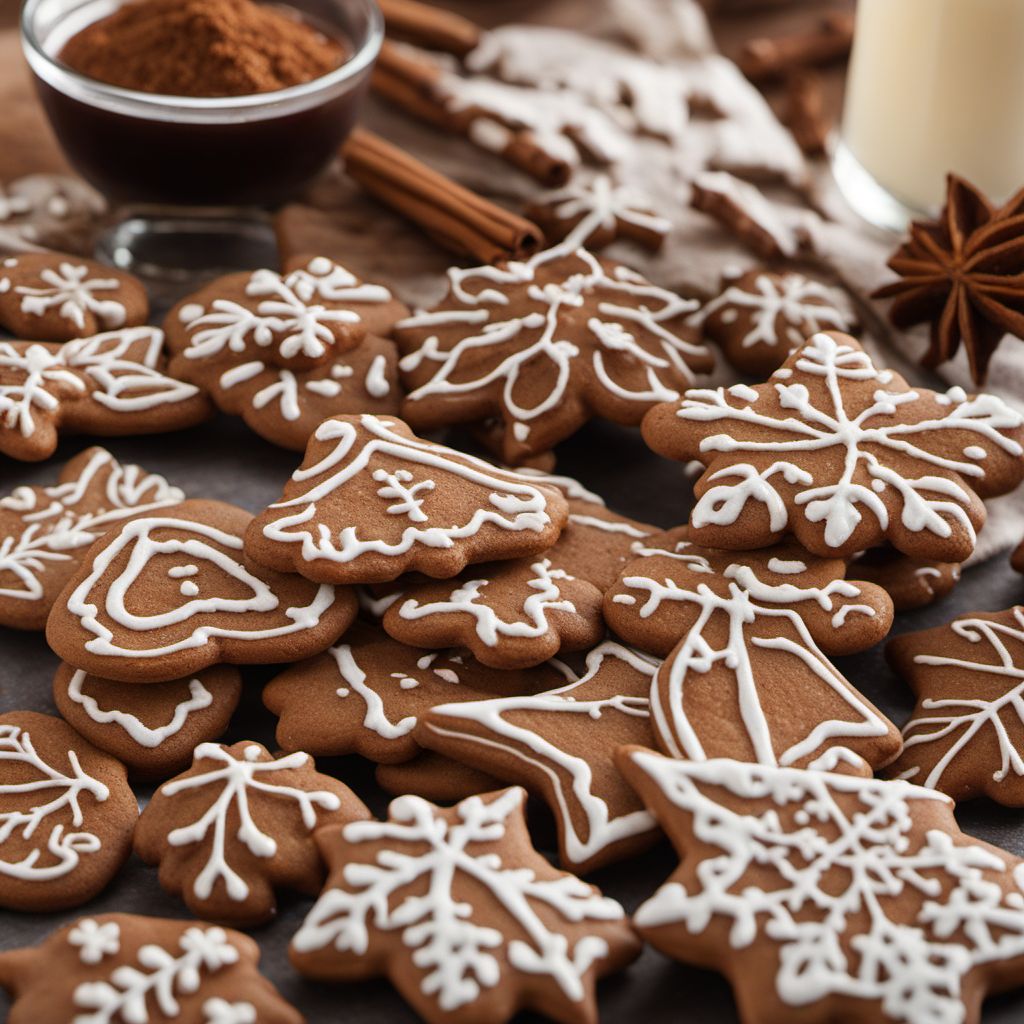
878, 485
342, 691
319, 265
624, 599
976, 452
408, 683
447, 675
188, 588
252, 753
520, 431
189, 312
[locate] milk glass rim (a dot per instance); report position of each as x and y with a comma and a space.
195, 109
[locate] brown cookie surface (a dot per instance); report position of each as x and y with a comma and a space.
150, 970
56, 297
66, 814
462, 914
434, 777
45, 531
966, 733
169, 594
842, 455
152, 729
910, 582
238, 824
544, 345
372, 501
804, 888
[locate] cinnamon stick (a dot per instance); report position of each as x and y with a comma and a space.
429, 26
455, 217
804, 112
769, 57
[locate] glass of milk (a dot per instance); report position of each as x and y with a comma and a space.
934, 86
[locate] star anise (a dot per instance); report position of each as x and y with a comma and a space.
963, 273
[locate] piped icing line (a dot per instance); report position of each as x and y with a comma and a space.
68, 290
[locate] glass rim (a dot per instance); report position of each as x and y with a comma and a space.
200, 109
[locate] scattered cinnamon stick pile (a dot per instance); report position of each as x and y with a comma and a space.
771, 57
429, 26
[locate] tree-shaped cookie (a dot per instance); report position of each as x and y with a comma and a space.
747, 638
826, 897
966, 735
366, 694
128, 969
561, 744
843, 455
372, 501
462, 914
284, 352
169, 594
55, 297
544, 345
239, 823
151, 729
66, 814
112, 384
45, 531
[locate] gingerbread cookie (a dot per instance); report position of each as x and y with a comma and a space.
760, 316
66, 814
910, 582
365, 695
167, 595
966, 734
151, 729
278, 351
128, 969
842, 455
462, 914
238, 824
372, 501
55, 297
544, 345
434, 777
560, 744
111, 384
45, 531
826, 897
747, 638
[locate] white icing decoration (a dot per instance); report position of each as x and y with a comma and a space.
785, 567
607, 525
94, 941
375, 719
376, 382
220, 1011
195, 542
240, 781
69, 290
64, 795
451, 949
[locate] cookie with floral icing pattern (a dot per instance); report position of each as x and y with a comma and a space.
372, 501
467, 920
56, 297
842, 455
112, 384
238, 824
760, 316
151, 729
284, 352
544, 345
170, 593
747, 638
45, 531
116, 968
910, 582
825, 897
66, 814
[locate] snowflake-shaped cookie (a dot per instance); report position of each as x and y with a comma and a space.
44, 531
827, 897
462, 914
966, 734
746, 637
128, 969
544, 345
109, 384
843, 455
237, 824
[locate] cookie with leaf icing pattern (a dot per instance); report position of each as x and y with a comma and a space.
56, 297
238, 824
460, 912
66, 814
843, 456
372, 501
124, 967
170, 593
151, 729
46, 530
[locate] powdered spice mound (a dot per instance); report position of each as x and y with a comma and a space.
202, 48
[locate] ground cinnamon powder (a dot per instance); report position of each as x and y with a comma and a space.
202, 48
